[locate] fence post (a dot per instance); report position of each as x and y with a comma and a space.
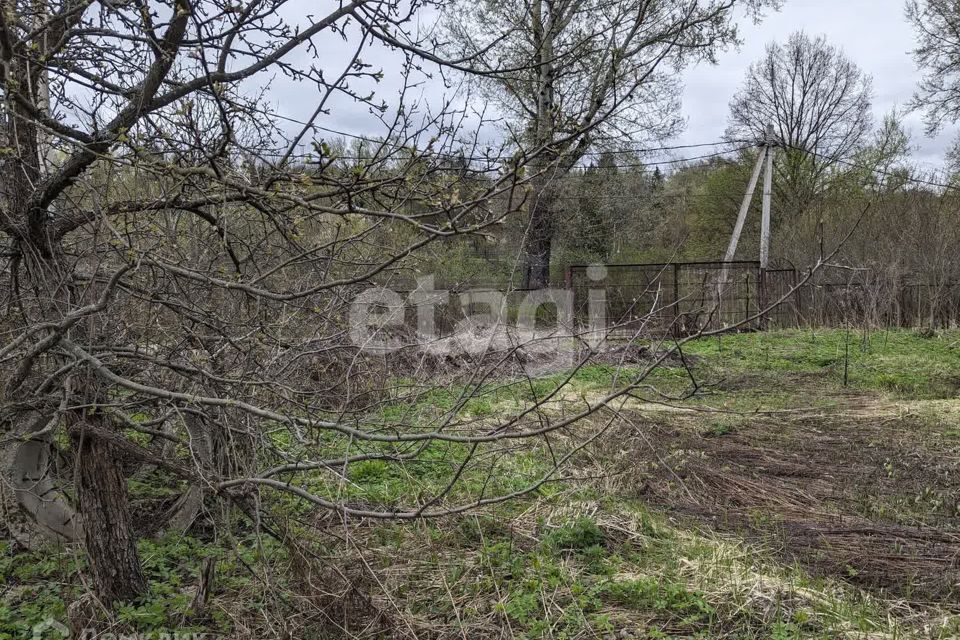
919, 308
762, 297
798, 298
676, 297
901, 303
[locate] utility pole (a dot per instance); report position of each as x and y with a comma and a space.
745, 208
764, 161
767, 197
765, 225
722, 283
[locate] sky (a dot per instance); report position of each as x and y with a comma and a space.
873, 33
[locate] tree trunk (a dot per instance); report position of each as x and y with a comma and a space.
34, 508
46, 290
538, 243
110, 541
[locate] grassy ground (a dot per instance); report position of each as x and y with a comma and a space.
809, 489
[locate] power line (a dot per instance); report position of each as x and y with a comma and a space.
307, 159
495, 158
591, 154
639, 151
876, 170
645, 167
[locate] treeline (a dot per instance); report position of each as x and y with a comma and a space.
883, 216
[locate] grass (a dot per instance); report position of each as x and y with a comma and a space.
587, 558
586, 568
563, 568
903, 364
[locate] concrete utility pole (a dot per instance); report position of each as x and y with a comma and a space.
765, 228
745, 208
767, 197
764, 161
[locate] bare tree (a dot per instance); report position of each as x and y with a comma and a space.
173, 270
937, 26
179, 281
819, 103
571, 75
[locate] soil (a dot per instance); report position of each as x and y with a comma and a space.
869, 497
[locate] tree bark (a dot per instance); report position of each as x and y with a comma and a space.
108, 533
538, 242
34, 508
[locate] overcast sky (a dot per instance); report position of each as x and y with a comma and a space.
873, 33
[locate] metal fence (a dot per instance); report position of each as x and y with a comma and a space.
683, 297
879, 303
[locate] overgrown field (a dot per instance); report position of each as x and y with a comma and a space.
785, 485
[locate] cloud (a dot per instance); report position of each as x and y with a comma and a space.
873, 33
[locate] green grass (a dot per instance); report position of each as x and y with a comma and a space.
568, 561
902, 363
584, 565
624, 568
42, 584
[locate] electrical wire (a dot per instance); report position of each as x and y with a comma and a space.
641, 167
875, 170
499, 158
